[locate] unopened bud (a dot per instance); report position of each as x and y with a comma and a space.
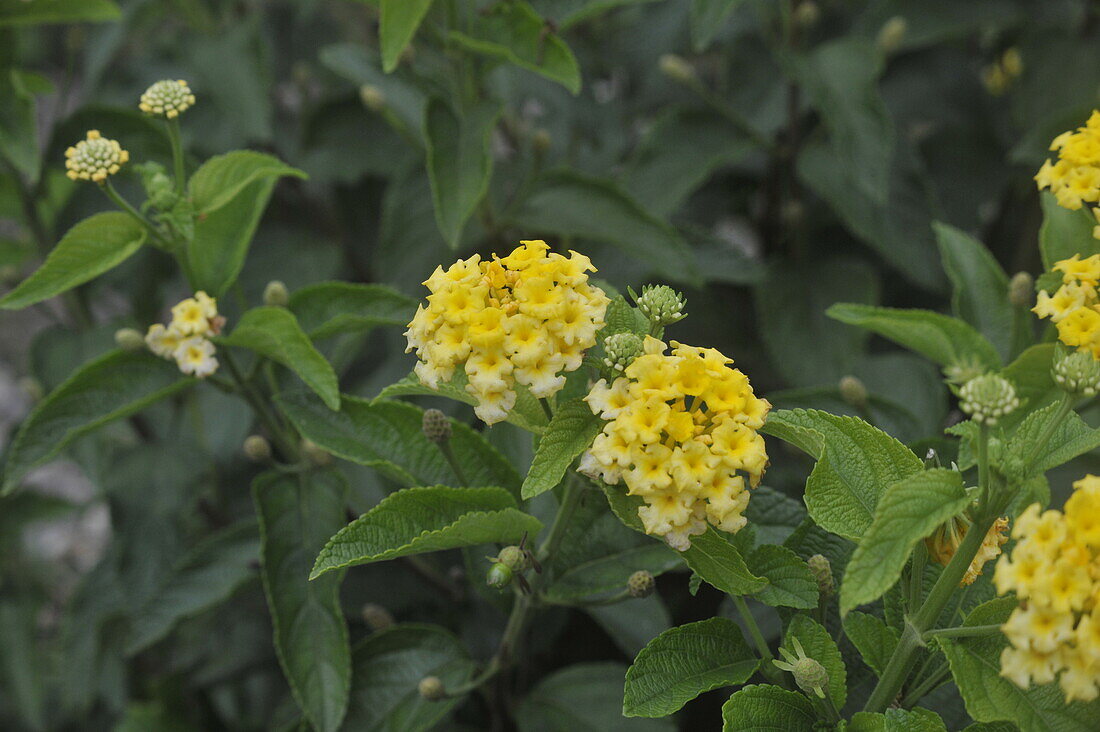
499, 576
315, 453
513, 558
661, 304
987, 398
621, 350
811, 676
853, 391
376, 617
822, 570
431, 688
641, 584
1077, 372
32, 387
436, 426
276, 295
1021, 289
541, 140
807, 14
129, 339
964, 370
257, 448
891, 35
676, 68
372, 97
9, 274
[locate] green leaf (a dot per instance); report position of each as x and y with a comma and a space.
326, 309
682, 663
820, 646
513, 32
874, 639
1070, 437
527, 414
981, 290
459, 162
297, 515
897, 720
976, 664
204, 577
398, 23
427, 519
855, 463
707, 20
22, 666
274, 333
389, 664
1064, 232
569, 433
224, 177
388, 437
908, 511
568, 13
354, 62
790, 582
941, 338
767, 708
115, 385
95, 245
568, 203
621, 317
223, 237
720, 564
1030, 374
774, 515
581, 698
20, 12
648, 618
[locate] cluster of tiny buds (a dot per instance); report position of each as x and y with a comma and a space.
641, 584
621, 350
168, 98
1077, 372
822, 570
661, 304
94, 158
276, 294
987, 398
436, 426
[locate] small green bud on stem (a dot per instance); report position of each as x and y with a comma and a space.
641, 584
822, 570
257, 448
1021, 290
1076, 372
621, 350
661, 304
431, 688
676, 68
128, 339
436, 426
513, 558
892, 34
372, 97
276, 295
315, 453
499, 576
376, 617
807, 14
853, 391
987, 398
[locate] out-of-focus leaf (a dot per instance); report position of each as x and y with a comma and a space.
569, 433
21, 12
581, 698
567, 13
21, 663
790, 582
1065, 232
326, 309
707, 19
353, 62
399, 21
647, 619
224, 177
222, 238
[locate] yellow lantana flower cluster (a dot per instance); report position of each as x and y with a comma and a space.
94, 158
1075, 306
681, 431
186, 338
1055, 572
526, 318
944, 542
1075, 178
168, 98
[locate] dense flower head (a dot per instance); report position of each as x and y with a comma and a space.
168, 98
186, 338
1055, 572
681, 433
944, 542
1074, 307
526, 318
987, 398
94, 158
1075, 178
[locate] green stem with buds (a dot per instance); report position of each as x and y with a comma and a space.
177, 153
123, 204
288, 448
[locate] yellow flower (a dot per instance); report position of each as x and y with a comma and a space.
1075, 178
163, 341
195, 356
1055, 571
680, 433
94, 158
526, 318
944, 542
185, 338
1075, 306
168, 98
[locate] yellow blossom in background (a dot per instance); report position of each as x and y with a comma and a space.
185, 340
944, 542
999, 76
1074, 308
526, 318
94, 158
168, 98
1055, 572
681, 433
1075, 178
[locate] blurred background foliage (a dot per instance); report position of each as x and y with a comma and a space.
769, 157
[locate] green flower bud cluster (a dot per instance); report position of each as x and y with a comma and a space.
810, 675
987, 398
436, 426
822, 571
168, 98
641, 584
661, 304
1077, 372
621, 350
276, 295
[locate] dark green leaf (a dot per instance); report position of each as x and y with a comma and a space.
20, 12
569, 433
790, 582
897, 720
1068, 438
1064, 232
707, 19
222, 238
720, 564
873, 638
581, 698
766, 708
330, 308
399, 21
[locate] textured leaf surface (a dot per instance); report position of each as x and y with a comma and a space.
274, 333
459, 163
95, 245
329, 308
682, 663
1071, 437
569, 433
897, 720
790, 582
427, 519
298, 513
720, 564
908, 511
581, 698
527, 414
388, 437
873, 638
398, 23
766, 708
224, 177
856, 462
820, 646
112, 386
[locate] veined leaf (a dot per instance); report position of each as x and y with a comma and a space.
897, 720
908, 511
581, 698
274, 333
223, 237
112, 386
95, 245
820, 646
1064, 232
14, 12
397, 26
767, 708
774, 515
874, 639
224, 177
329, 308
427, 519
569, 433
941, 338
682, 663
622, 317
855, 463
1070, 437
388, 436
527, 414
720, 564
298, 513
790, 582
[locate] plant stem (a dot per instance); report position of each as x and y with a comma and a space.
1064, 407
445, 448
123, 204
925, 687
177, 153
770, 671
962, 631
289, 450
916, 576
571, 497
546, 408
